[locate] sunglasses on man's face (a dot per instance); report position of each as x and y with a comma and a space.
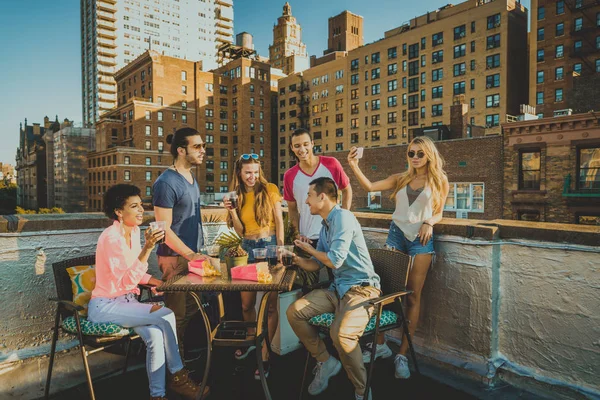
420, 154
249, 156
197, 146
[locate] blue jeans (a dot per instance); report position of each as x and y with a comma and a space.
398, 241
249, 245
157, 329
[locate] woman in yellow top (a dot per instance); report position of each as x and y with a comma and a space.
259, 221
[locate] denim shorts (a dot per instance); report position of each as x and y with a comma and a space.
398, 241
248, 245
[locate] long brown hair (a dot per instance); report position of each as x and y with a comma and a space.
436, 176
263, 206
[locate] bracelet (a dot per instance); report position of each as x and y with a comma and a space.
427, 223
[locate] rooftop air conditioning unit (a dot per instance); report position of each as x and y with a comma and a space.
560, 113
462, 214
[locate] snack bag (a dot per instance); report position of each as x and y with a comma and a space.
203, 268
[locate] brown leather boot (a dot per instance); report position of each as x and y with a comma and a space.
181, 384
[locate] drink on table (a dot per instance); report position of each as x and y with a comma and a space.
272, 256
259, 255
287, 256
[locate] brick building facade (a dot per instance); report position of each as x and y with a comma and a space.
552, 169
473, 166
230, 107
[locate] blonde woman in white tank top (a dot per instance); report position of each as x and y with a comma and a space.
420, 194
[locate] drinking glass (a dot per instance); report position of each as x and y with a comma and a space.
287, 255
272, 256
159, 226
259, 255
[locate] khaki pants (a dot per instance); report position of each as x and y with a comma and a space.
352, 313
181, 303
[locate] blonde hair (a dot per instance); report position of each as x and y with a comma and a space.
263, 205
436, 176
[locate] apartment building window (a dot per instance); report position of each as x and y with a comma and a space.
460, 69
460, 32
183, 89
437, 56
375, 104
578, 3
472, 105
423, 78
413, 85
560, 7
492, 61
540, 77
577, 46
597, 65
209, 112
437, 92
354, 64
413, 51
392, 101
493, 21
413, 68
560, 29
423, 94
375, 58
148, 161
492, 81
539, 98
413, 102
225, 152
127, 160
559, 74
147, 113
423, 60
492, 120
559, 52
127, 175
465, 197
223, 177
339, 146
392, 117
209, 126
392, 69
459, 88
375, 120
413, 118
375, 73
437, 110
529, 169
540, 34
460, 50
598, 19
339, 74
437, 74
588, 169
558, 95
375, 89
184, 118
540, 56
183, 75
437, 39
148, 130
339, 117
473, 46
403, 82
541, 14
148, 145
392, 133
423, 43
597, 42
392, 53
392, 85
354, 79
492, 101
339, 132
148, 176
493, 41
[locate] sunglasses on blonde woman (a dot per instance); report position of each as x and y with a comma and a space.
419, 154
249, 156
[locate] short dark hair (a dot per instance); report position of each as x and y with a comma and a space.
116, 196
180, 139
300, 132
327, 186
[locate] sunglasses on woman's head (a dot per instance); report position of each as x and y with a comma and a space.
249, 156
419, 154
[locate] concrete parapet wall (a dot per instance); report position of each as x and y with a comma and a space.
503, 298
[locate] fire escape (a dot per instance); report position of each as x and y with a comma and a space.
304, 104
587, 31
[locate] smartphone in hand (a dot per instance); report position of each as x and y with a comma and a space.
359, 152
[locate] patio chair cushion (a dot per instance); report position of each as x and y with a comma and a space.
326, 319
95, 329
83, 281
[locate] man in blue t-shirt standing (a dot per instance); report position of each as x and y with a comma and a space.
176, 200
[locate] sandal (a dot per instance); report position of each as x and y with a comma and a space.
267, 368
240, 354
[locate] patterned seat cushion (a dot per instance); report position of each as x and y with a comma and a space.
95, 329
83, 281
325, 320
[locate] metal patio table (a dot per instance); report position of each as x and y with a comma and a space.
233, 333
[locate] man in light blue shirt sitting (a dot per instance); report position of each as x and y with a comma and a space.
342, 248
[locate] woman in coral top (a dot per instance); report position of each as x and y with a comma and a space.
122, 264
259, 220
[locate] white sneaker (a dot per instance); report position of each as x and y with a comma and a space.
359, 397
324, 371
401, 364
382, 351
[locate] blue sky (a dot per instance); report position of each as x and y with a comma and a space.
40, 40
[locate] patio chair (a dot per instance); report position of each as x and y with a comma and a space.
92, 337
393, 268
